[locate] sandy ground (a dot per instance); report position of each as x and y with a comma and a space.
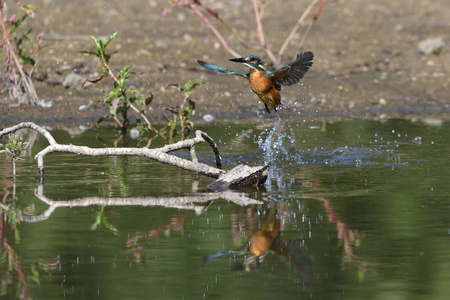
367, 63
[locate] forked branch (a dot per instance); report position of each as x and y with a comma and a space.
240, 175
259, 9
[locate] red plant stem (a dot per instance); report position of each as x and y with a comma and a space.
296, 27
214, 14
109, 69
211, 11
214, 30
319, 10
261, 8
305, 35
310, 26
260, 32
14, 261
10, 53
228, 27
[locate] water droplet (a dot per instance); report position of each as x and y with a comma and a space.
417, 140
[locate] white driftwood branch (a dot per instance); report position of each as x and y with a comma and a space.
240, 175
30, 125
145, 152
156, 154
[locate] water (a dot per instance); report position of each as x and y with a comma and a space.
362, 208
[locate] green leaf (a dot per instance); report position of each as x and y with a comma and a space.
191, 104
105, 71
133, 99
98, 44
125, 70
149, 99
132, 91
17, 23
140, 105
107, 57
90, 53
23, 37
35, 276
111, 95
93, 38
102, 118
111, 37
29, 6
173, 110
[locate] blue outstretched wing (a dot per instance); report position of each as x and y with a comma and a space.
293, 72
222, 70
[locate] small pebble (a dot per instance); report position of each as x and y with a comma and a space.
431, 45
46, 104
161, 44
181, 17
208, 118
73, 80
134, 133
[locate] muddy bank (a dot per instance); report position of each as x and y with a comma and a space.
367, 62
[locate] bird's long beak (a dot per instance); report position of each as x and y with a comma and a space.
239, 60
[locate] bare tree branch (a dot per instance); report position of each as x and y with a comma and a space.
260, 32
294, 30
240, 175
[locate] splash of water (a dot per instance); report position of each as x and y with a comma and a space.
278, 145
278, 148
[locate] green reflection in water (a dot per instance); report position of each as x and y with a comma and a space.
364, 204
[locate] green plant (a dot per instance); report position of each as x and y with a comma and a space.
21, 87
101, 220
14, 146
181, 114
121, 98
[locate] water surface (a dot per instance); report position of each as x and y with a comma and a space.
353, 209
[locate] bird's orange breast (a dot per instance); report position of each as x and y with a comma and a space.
259, 82
264, 88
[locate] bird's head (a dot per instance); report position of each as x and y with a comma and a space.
251, 61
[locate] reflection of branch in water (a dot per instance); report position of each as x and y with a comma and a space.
197, 202
176, 224
12, 262
349, 238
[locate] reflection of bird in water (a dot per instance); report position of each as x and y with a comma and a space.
266, 240
264, 84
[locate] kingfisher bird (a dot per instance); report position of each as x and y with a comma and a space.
264, 84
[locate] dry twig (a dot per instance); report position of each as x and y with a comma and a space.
259, 10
